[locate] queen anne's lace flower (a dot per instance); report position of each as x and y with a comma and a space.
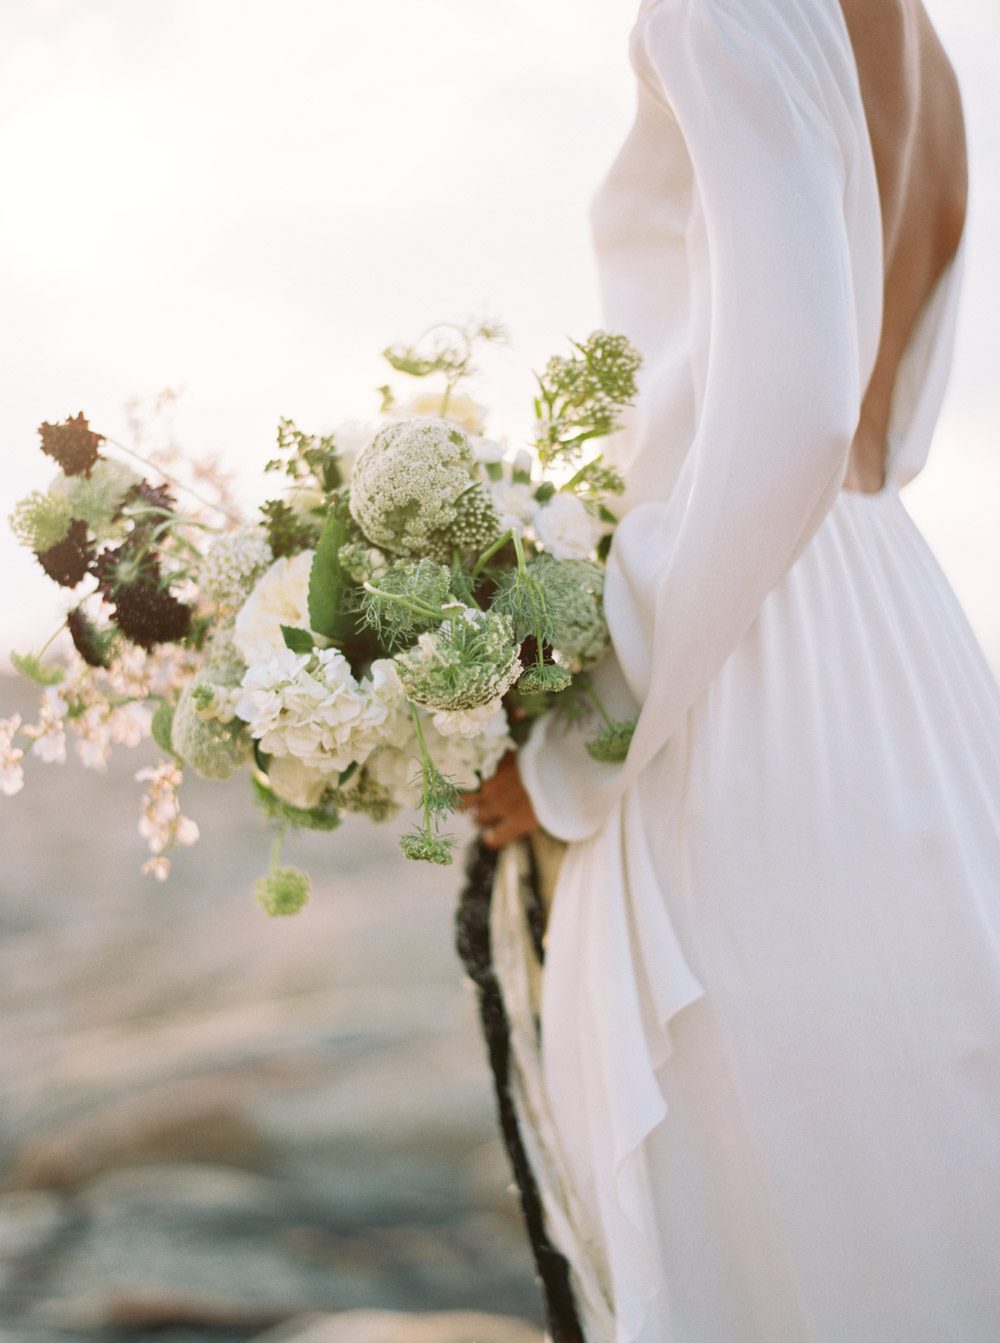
308, 705
566, 529
234, 564
573, 591
214, 745
468, 662
413, 491
280, 597
97, 498
41, 521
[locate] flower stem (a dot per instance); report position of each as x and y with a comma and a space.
589, 690
522, 569
419, 608
178, 484
491, 551
425, 765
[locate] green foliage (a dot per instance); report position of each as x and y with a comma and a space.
325, 816
581, 397
288, 532
299, 641
307, 458
444, 348
521, 598
162, 727
330, 611
31, 666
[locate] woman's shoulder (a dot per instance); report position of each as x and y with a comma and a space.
799, 47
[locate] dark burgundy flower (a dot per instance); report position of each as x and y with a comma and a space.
92, 643
149, 614
70, 560
154, 496
73, 444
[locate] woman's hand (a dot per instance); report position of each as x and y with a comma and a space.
501, 807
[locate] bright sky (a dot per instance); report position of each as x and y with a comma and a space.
247, 200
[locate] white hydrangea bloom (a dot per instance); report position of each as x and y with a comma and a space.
231, 568
280, 597
566, 529
466, 722
309, 705
464, 760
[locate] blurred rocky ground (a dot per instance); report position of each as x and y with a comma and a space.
219, 1126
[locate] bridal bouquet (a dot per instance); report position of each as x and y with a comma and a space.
374, 640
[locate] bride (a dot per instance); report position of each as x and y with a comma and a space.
768, 1107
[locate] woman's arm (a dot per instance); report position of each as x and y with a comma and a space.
784, 185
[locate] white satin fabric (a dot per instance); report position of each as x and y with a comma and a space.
798, 866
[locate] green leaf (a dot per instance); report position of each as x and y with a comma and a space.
328, 585
298, 640
545, 492
162, 727
29, 665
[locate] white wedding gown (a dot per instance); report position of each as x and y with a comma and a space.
770, 1060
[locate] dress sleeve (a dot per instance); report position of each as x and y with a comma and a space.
780, 394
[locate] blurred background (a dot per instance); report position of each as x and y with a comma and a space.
211, 1123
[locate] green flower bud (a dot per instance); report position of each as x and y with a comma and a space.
428, 848
284, 891
611, 745
539, 680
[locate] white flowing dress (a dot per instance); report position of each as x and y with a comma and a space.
770, 1058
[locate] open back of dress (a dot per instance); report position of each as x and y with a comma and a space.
771, 998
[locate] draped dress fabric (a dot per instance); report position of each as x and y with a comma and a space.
770, 1014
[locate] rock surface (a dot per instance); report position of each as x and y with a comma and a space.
363, 1326
213, 1123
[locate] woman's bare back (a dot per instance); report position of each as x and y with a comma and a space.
914, 115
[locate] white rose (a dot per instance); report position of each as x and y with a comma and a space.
487, 450
516, 505
461, 410
397, 770
280, 597
295, 782
566, 529
350, 438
